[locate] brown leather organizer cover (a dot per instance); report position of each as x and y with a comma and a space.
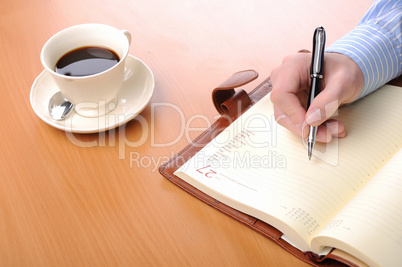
230, 104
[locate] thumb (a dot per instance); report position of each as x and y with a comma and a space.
322, 108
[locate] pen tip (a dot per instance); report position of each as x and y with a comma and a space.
310, 150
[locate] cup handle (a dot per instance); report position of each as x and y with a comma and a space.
128, 35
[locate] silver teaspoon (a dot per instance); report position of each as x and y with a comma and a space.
59, 107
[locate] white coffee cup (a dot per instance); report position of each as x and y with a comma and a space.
92, 95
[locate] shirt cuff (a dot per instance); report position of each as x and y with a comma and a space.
374, 51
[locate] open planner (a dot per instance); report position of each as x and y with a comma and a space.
342, 207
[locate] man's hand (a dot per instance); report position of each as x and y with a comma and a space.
342, 83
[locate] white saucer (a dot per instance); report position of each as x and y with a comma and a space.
135, 94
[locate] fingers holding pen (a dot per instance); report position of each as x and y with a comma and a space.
342, 84
325, 106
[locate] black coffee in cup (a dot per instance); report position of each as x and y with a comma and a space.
85, 61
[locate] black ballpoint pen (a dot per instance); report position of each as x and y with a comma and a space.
317, 66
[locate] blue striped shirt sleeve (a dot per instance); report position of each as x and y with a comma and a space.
375, 44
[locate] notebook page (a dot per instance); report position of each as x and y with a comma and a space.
376, 209
261, 168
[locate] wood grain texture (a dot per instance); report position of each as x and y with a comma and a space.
98, 199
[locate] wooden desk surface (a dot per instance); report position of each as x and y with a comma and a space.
98, 199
